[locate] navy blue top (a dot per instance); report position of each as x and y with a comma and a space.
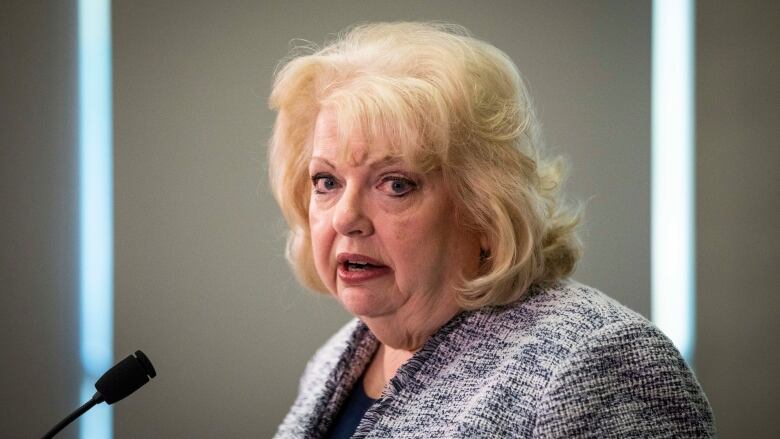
351, 413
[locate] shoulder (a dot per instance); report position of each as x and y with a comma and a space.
327, 356
317, 381
611, 373
571, 306
579, 363
557, 319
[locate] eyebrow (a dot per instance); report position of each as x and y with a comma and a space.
388, 160
322, 159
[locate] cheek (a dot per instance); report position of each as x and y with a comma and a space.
417, 228
428, 243
417, 246
321, 241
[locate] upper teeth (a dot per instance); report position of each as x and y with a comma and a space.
358, 263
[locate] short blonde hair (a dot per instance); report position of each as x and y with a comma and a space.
447, 102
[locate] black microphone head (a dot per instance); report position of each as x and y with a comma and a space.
125, 377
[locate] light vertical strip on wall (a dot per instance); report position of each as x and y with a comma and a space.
95, 206
673, 276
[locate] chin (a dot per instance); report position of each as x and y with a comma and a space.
362, 302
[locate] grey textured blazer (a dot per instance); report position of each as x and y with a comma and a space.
566, 361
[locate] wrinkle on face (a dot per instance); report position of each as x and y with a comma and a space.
417, 235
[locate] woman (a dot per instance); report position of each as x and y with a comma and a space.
406, 160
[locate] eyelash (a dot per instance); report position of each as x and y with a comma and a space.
315, 179
393, 178
412, 186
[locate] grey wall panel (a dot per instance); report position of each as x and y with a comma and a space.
738, 206
201, 283
39, 364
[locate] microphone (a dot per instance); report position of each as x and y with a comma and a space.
120, 381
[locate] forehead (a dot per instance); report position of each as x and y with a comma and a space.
339, 142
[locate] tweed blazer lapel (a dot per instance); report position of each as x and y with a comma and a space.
354, 359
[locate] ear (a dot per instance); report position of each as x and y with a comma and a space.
484, 249
484, 243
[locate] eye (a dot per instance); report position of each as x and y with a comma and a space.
324, 183
397, 186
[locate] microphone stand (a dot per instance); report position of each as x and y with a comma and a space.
97, 398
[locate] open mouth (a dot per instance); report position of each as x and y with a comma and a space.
357, 268
360, 266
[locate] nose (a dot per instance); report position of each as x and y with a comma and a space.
350, 218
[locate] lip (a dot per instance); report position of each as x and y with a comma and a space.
355, 257
357, 277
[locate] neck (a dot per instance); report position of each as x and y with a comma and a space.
383, 368
399, 340
410, 326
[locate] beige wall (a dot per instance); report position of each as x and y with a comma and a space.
39, 355
738, 207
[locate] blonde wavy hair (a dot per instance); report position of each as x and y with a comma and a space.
448, 102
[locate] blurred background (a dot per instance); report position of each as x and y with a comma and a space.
200, 281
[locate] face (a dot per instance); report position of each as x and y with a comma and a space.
385, 239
